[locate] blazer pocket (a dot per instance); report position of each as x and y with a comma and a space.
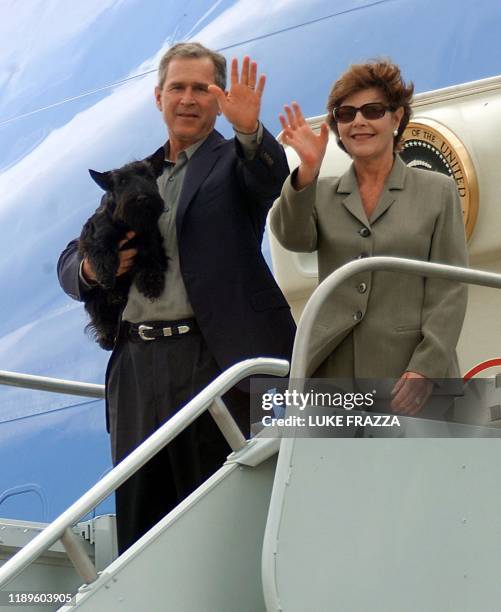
408, 328
268, 300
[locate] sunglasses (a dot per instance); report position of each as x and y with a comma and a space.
373, 110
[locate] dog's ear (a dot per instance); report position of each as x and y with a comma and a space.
103, 179
157, 161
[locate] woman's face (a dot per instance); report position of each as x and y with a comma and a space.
369, 139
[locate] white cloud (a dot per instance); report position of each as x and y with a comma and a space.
34, 34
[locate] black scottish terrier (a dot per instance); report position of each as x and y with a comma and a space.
131, 202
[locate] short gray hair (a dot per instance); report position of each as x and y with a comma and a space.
193, 50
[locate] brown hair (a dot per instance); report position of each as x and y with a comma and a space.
381, 74
193, 50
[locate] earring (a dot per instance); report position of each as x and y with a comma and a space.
395, 132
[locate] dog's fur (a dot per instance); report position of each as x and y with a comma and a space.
132, 202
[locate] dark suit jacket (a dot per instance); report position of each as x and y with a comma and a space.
220, 223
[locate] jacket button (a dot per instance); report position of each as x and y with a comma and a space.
362, 288
364, 232
267, 158
358, 315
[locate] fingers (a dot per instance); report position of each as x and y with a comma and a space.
399, 384
295, 120
126, 257
283, 122
287, 134
415, 406
234, 72
404, 399
128, 236
300, 120
411, 393
88, 271
126, 261
248, 75
295, 116
252, 72
215, 90
219, 93
291, 118
260, 84
324, 133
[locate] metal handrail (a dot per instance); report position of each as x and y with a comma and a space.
299, 368
55, 385
299, 362
143, 453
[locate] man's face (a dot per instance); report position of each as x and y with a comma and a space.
188, 109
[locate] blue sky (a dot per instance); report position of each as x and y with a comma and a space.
52, 129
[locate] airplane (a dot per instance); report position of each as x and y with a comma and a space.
77, 83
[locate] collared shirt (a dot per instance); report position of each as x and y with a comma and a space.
174, 304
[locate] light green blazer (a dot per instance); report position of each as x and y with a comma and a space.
397, 322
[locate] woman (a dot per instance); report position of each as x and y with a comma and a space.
380, 324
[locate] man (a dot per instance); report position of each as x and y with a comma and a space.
217, 194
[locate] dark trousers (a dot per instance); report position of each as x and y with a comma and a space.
147, 383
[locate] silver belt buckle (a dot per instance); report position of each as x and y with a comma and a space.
141, 329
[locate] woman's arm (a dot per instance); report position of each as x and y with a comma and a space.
293, 218
444, 307
444, 304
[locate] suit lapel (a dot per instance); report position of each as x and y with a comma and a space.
199, 167
385, 201
394, 184
352, 202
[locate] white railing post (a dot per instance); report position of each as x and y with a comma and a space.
54, 385
299, 362
78, 556
227, 425
133, 462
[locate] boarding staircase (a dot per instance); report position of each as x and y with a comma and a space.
393, 525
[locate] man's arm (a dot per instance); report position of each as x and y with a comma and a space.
68, 272
264, 173
76, 275
263, 166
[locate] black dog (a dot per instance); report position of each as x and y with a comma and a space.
132, 202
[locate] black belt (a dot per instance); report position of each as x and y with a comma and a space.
153, 330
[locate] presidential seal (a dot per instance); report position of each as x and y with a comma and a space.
430, 145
